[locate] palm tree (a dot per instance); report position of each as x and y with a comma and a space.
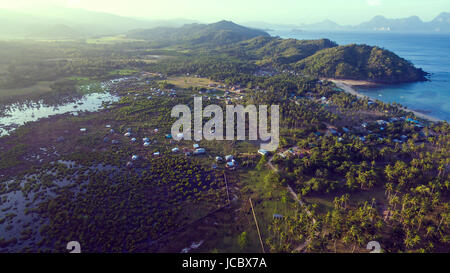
389, 188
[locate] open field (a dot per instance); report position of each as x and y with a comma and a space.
111, 40
39, 88
123, 72
186, 82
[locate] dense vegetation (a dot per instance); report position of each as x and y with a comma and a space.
360, 62
277, 52
198, 35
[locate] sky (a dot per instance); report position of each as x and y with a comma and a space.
272, 11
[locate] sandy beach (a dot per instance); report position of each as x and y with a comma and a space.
350, 86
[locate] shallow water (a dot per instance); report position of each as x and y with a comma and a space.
17, 114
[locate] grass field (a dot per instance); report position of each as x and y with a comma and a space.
123, 72
111, 40
186, 82
37, 89
44, 87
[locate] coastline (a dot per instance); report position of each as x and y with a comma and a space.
350, 86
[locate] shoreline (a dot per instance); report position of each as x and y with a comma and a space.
350, 86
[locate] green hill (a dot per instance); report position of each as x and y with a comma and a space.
360, 62
280, 52
198, 35
319, 58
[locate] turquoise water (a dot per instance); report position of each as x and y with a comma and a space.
431, 52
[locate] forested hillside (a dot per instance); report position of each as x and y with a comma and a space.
360, 62
197, 35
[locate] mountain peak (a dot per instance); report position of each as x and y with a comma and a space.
378, 19
222, 32
442, 17
224, 23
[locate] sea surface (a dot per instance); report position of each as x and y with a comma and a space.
431, 52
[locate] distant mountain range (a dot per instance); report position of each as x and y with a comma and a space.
61, 22
54, 22
216, 34
440, 24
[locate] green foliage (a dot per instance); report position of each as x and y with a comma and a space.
198, 35
261, 163
360, 62
243, 240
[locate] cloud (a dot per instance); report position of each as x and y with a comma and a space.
373, 3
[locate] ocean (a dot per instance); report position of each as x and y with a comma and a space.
431, 52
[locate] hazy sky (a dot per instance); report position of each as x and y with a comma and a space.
274, 11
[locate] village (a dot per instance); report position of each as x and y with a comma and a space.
374, 131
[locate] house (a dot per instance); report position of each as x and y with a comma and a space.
412, 120
263, 152
196, 146
229, 158
146, 144
83, 130
364, 125
199, 151
175, 150
169, 136
231, 165
145, 139
134, 157
108, 126
277, 216
219, 159
127, 134
333, 132
156, 153
133, 140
